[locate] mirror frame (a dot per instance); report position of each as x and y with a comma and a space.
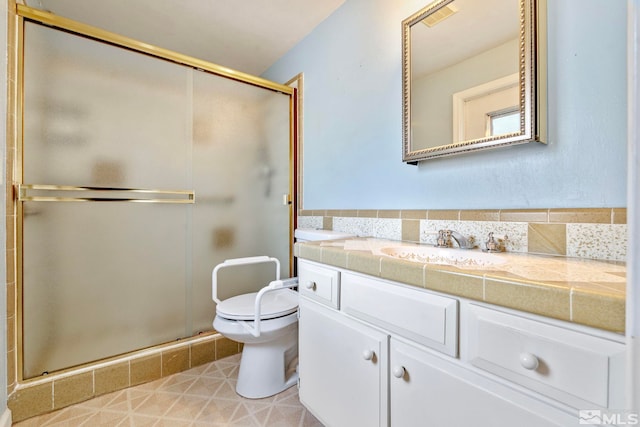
532, 86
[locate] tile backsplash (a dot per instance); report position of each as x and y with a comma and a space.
599, 233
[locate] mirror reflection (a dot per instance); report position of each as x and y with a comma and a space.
468, 76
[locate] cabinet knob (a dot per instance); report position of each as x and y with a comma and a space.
398, 371
529, 361
368, 354
311, 285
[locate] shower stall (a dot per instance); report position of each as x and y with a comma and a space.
138, 171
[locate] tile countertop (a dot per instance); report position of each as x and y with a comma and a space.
582, 291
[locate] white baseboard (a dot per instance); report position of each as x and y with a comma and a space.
5, 419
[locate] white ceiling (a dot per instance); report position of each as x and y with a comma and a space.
477, 27
245, 35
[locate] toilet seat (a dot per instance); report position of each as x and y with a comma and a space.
274, 304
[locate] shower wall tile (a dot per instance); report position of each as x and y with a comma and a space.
203, 352
11, 367
226, 347
111, 378
146, 369
73, 389
57, 391
11, 307
175, 360
11, 327
30, 401
10, 237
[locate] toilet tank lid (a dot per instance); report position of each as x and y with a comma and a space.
314, 234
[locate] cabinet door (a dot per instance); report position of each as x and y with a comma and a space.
343, 368
428, 390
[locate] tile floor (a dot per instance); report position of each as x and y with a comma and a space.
202, 396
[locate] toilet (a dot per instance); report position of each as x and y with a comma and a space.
266, 322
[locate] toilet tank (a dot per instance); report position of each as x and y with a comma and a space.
311, 234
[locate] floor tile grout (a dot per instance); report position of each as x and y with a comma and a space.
202, 396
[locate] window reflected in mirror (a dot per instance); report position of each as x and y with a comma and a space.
503, 122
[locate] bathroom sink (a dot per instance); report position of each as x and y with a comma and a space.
447, 256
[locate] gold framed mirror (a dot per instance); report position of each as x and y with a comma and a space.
474, 77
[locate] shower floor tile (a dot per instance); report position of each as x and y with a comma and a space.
202, 396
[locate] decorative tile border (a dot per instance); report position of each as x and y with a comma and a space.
594, 233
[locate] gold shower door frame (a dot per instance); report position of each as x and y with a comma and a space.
49, 193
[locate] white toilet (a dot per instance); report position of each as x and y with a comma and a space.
266, 323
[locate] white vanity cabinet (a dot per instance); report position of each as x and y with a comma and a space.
342, 367
378, 353
342, 362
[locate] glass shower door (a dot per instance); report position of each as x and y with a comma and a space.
101, 277
240, 175
106, 270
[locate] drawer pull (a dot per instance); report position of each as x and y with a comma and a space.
398, 371
529, 361
368, 354
311, 285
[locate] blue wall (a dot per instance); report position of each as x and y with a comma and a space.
353, 120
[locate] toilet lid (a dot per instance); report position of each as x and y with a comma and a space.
274, 304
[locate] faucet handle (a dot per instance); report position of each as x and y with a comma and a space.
443, 239
494, 244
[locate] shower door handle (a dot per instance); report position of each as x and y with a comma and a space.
65, 193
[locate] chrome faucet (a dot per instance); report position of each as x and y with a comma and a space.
445, 236
463, 242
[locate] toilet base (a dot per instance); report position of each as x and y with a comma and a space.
269, 368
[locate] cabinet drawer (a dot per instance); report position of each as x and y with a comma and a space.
570, 366
319, 283
425, 318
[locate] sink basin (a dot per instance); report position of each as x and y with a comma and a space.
447, 256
